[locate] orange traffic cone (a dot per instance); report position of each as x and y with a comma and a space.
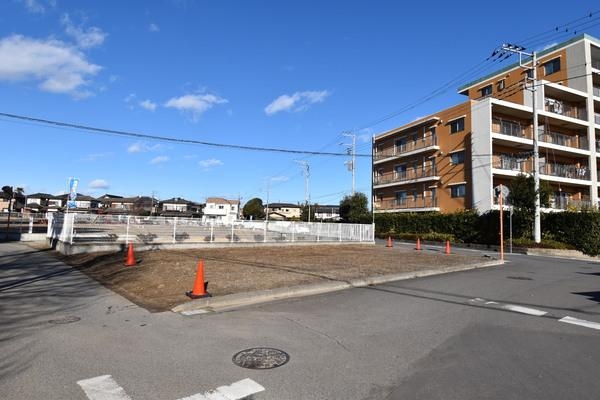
130, 261
447, 251
418, 244
199, 284
389, 242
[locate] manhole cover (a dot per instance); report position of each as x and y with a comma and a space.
64, 320
521, 278
261, 358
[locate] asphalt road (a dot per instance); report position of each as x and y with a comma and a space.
493, 333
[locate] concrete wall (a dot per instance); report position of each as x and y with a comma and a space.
481, 155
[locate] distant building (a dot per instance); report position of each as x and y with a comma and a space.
179, 207
283, 211
221, 211
327, 213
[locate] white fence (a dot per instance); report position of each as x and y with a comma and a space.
92, 228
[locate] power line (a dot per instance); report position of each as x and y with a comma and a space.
168, 139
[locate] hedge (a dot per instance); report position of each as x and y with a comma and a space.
579, 230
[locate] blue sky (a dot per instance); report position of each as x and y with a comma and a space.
292, 75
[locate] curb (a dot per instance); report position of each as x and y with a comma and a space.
211, 304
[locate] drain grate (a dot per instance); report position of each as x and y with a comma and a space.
521, 278
261, 358
64, 320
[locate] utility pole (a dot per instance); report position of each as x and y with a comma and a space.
351, 149
306, 174
537, 229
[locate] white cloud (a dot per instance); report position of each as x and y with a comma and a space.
37, 7
195, 104
59, 67
85, 38
281, 178
143, 147
298, 101
113, 78
211, 162
153, 28
159, 160
129, 98
97, 156
99, 184
148, 105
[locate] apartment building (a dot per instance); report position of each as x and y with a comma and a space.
453, 159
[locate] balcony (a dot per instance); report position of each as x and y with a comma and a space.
511, 163
411, 174
410, 147
511, 128
596, 63
407, 203
596, 90
569, 203
566, 171
564, 108
560, 139
597, 119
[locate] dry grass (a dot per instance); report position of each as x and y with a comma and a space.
160, 280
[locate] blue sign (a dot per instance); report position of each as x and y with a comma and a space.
71, 203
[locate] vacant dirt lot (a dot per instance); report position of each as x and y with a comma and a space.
160, 280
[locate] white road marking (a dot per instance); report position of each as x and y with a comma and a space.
195, 312
580, 322
103, 388
487, 303
236, 391
106, 388
524, 310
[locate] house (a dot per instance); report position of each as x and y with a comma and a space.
43, 202
455, 158
138, 205
178, 206
283, 211
221, 211
83, 203
327, 213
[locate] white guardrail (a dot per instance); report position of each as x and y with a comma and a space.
93, 228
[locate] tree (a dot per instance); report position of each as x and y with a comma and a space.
522, 193
254, 209
9, 194
354, 208
304, 212
522, 198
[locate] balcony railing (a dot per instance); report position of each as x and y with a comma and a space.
412, 145
564, 203
596, 91
596, 64
511, 128
597, 119
402, 176
409, 202
566, 171
500, 161
576, 142
563, 108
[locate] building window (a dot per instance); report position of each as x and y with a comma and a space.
458, 190
529, 73
457, 157
457, 125
552, 66
486, 91
401, 198
501, 84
